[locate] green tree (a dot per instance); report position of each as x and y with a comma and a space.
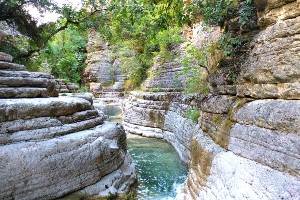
63, 56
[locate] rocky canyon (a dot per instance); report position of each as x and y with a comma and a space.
245, 141
238, 134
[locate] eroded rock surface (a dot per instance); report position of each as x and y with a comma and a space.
103, 75
50, 147
63, 87
245, 143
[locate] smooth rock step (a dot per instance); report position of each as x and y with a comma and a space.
26, 92
276, 115
52, 168
5, 57
13, 109
50, 132
26, 82
11, 66
278, 151
45, 122
24, 74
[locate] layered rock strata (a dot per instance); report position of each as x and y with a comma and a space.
161, 115
17, 82
259, 157
103, 75
63, 87
234, 148
53, 146
166, 76
245, 144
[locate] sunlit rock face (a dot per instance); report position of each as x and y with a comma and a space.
53, 146
16, 82
103, 74
250, 150
272, 69
161, 115
245, 143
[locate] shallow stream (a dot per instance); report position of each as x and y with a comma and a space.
160, 170
161, 173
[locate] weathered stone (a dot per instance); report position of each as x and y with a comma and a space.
217, 126
179, 131
11, 66
75, 160
154, 115
118, 181
26, 92
87, 96
275, 57
65, 138
16, 82
279, 151
5, 57
271, 11
217, 104
166, 76
13, 109
223, 89
265, 91
233, 177
278, 115
147, 117
26, 82
63, 87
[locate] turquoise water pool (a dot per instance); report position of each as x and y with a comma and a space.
160, 171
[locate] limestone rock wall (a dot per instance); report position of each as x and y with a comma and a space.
161, 115
103, 75
252, 149
16, 82
63, 87
53, 146
245, 144
166, 76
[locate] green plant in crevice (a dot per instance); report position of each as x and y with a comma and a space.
192, 114
230, 44
213, 12
112, 196
195, 70
246, 11
84, 89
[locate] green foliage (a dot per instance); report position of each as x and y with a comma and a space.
138, 30
213, 12
112, 196
216, 12
63, 56
168, 38
195, 70
84, 89
230, 44
246, 11
192, 114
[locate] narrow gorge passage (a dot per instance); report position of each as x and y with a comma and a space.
161, 173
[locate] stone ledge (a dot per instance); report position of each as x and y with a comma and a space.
11, 66
5, 57
279, 151
52, 168
278, 115
266, 91
13, 109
